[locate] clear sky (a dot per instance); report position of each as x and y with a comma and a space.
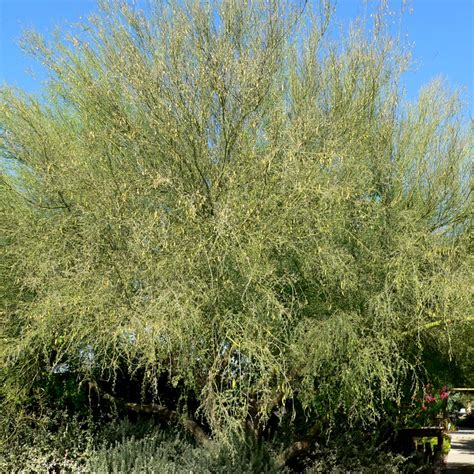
442, 32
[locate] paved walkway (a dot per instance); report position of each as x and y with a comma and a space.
461, 455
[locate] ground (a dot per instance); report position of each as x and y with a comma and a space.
461, 455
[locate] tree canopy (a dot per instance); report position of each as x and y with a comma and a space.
232, 207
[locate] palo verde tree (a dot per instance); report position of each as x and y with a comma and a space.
229, 202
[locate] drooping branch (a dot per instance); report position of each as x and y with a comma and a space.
164, 413
435, 324
300, 446
292, 451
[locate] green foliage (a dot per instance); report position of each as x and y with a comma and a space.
62, 444
224, 205
48, 442
434, 442
159, 452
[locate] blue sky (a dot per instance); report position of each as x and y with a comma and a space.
442, 32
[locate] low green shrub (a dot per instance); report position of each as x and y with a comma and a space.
65, 444
165, 451
48, 443
70, 445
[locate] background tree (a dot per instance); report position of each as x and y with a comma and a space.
220, 213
